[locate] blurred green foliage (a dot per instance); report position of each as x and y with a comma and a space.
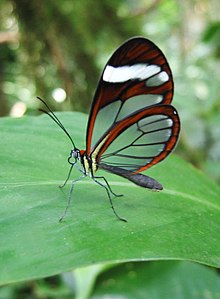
45, 45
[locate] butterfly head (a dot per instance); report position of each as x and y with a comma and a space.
74, 156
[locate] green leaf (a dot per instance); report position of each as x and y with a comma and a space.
158, 280
180, 222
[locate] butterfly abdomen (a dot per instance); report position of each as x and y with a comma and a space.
137, 178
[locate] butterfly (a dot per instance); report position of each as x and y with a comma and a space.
132, 124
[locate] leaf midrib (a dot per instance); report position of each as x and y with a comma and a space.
113, 183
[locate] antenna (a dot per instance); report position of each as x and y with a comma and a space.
55, 119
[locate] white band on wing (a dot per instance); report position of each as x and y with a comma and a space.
124, 73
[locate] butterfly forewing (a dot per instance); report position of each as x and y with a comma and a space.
135, 77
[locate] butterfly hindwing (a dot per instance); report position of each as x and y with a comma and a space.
140, 140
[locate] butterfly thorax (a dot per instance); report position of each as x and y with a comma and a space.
89, 164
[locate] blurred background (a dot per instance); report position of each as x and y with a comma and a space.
58, 49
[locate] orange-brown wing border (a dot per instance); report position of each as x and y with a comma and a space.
134, 51
112, 134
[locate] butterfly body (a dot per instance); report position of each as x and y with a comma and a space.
90, 166
132, 124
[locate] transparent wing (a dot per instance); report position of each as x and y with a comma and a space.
135, 77
140, 140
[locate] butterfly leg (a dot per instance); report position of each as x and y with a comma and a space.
69, 173
68, 176
109, 187
108, 190
70, 196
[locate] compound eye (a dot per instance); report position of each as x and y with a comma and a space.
74, 154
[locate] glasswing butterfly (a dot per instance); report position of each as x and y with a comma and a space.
131, 125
